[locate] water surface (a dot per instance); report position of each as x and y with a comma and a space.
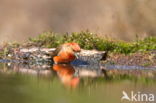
64, 84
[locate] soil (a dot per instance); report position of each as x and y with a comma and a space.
147, 59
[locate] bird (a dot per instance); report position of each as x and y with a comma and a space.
65, 53
66, 74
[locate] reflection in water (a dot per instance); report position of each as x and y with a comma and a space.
22, 83
66, 74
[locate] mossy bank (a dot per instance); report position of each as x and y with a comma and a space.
89, 41
86, 40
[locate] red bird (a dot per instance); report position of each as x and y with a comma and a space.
65, 73
65, 53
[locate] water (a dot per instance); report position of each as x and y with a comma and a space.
21, 83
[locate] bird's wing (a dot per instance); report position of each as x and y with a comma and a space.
56, 52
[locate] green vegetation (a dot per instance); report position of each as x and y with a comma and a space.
6, 48
86, 40
89, 40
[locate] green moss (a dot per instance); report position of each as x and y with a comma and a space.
47, 39
6, 48
89, 40
86, 40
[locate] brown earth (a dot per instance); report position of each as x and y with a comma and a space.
139, 59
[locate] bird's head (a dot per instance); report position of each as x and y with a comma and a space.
75, 47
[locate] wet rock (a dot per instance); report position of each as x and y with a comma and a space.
91, 56
41, 55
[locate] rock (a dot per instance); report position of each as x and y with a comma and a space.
40, 55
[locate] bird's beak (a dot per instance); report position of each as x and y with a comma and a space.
76, 54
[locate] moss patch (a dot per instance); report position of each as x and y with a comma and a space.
89, 40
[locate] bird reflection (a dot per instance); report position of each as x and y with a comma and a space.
66, 74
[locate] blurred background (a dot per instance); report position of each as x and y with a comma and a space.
122, 19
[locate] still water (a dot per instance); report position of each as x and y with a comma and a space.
64, 84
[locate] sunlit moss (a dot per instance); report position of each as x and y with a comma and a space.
89, 40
